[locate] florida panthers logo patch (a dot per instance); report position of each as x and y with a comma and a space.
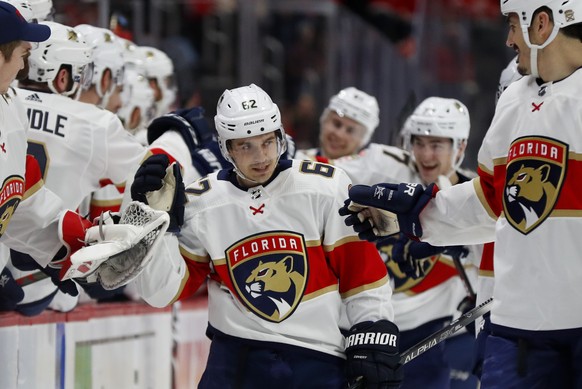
269, 273
536, 167
10, 195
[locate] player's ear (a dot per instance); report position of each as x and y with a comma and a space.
135, 117
106, 80
61, 81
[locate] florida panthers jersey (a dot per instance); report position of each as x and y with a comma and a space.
280, 259
526, 199
79, 146
28, 211
437, 294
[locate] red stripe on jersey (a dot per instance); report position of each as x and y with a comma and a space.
356, 264
570, 193
439, 273
97, 210
157, 150
104, 182
487, 257
197, 273
32, 175
490, 187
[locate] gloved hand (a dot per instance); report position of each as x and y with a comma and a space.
159, 184
373, 359
408, 254
369, 223
406, 200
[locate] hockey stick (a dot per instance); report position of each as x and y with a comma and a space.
446, 332
439, 336
31, 278
463, 275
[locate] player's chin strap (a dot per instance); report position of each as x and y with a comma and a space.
534, 48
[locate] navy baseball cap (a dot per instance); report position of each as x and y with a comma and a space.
13, 27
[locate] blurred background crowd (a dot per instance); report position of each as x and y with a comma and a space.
303, 51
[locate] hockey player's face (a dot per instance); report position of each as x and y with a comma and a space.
255, 157
340, 136
516, 41
10, 68
433, 156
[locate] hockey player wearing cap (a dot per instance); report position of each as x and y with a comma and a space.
525, 199
79, 146
32, 219
279, 271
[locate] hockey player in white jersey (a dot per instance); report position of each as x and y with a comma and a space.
108, 67
79, 146
160, 73
525, 200
428, 289
347, 125
32, 218
279, 263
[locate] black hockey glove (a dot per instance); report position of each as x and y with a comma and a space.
405, 200
411, 256
373, 359
159, 184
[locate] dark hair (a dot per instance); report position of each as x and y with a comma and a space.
8, 48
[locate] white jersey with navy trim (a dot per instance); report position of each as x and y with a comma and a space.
437, 294
280, 259
80, 147
527, 200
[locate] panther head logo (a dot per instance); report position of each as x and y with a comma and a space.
278, 282
535, 173
531, 189
269, 273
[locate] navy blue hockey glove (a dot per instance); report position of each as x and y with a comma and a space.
406, 200
190, 123
373, 359
363, 226
411, 256
159, 184
10, 292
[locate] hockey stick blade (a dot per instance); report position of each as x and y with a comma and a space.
446, 332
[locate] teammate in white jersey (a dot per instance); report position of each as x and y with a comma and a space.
279, 264
525, 199
108, 68
32, 218
428, 289
79, 146
347, 125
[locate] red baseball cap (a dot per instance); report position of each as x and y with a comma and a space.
13, 26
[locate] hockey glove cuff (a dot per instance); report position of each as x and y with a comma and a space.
372, 351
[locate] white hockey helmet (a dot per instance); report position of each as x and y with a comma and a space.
441, 117
246, 112
356, 105
564, 12
107, 54
64, 47
508, 76
24, 7
42, 10
136, 94
161, 68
